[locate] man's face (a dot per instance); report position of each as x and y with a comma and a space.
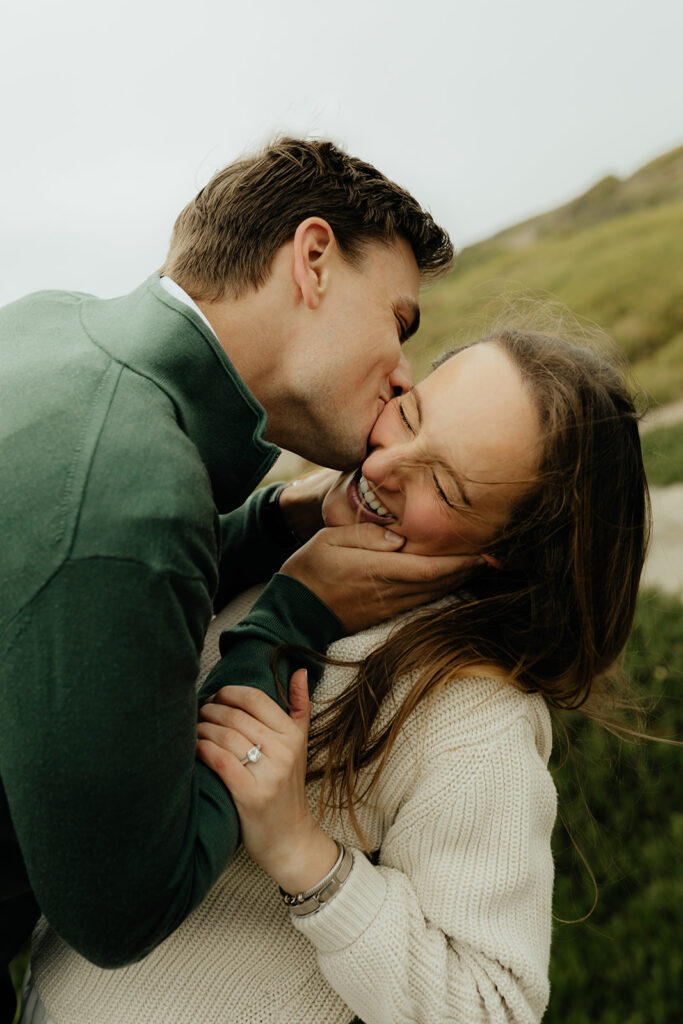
355, 363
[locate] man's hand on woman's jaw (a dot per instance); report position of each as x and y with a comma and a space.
360, 573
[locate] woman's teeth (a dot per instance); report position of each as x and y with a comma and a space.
369, 498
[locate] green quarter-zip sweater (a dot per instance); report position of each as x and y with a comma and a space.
128, 447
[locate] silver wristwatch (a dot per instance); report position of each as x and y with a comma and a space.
326, 889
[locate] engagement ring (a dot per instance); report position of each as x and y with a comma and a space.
253, 755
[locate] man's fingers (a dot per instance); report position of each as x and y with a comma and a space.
362, 575
301, 502
419, 572
370, 536
389, 562
426, 569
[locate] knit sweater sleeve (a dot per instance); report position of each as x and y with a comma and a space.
454, 922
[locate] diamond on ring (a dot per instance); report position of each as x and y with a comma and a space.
253, 755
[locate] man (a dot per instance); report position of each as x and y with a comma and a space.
127, 428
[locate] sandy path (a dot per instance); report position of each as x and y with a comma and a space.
664, 566
663, 416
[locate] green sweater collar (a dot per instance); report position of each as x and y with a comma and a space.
164, 340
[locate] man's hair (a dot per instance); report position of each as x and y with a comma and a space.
225, 239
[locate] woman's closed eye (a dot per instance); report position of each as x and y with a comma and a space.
404, 418
440, 490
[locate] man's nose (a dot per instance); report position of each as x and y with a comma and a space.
401, 380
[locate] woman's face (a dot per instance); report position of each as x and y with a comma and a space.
449, 460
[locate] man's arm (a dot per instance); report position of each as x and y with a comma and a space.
344, 579
258, 537
254, 543
121, 831
288, 621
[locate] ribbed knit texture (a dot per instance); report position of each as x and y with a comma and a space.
452, 925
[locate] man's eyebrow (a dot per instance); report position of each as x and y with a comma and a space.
448, 469
412, 320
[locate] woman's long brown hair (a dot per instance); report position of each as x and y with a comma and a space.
557, 616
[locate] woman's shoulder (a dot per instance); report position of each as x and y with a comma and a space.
484, 705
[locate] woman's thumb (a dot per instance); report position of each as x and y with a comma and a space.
299, 702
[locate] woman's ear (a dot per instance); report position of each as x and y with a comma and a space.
314, 246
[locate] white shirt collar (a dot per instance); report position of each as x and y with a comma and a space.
179, 293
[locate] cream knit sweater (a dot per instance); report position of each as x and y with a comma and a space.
452, 925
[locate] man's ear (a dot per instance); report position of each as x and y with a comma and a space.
314, 246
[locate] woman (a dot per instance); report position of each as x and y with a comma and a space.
415, 863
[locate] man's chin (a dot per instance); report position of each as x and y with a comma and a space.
350, 462
344, 462
347, 453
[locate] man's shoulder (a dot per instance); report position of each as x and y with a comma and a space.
99, 466
30, 310
148, 494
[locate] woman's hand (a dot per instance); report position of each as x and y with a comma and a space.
278, 828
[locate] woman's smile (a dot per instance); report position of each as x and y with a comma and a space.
363, 501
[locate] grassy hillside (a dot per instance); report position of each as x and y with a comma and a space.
663, 454
623, 964
614, 256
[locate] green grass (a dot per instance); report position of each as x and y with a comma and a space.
661, 372
663, 455
622, 965
617, 264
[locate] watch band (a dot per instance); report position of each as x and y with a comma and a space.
312, 900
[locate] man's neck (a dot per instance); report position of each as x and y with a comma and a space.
251, 340
174, 289
237, 325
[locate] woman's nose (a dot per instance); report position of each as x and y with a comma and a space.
401, 380
384, 466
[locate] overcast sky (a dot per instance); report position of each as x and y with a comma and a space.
488, 110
